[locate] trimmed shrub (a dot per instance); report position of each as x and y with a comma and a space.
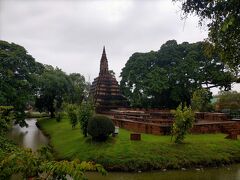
100, 127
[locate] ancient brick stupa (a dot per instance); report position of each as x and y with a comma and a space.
105, 89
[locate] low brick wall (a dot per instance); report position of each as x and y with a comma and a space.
161, 121
211, 117
164, 129
142, 114
142, 127
216, 127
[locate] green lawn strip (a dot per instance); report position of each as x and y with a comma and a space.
152, 152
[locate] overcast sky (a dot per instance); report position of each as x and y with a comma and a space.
70, 34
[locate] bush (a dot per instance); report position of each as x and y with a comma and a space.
183, 122
100, 127
59, 116
85, 112
71, 110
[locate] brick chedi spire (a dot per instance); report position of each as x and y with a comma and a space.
105, 89
103, 63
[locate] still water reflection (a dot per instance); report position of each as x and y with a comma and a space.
30, 137
225, 173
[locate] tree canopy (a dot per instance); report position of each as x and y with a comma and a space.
223, 20
22, 80
169, 76
53, 84
78, 88
18, 73
228, 100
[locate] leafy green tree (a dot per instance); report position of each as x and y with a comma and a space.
53, 87
183, 122
5, 118
201, 100
71, 110
223, 20
18, 73
78, 89
228, 100
170, 76
85, 112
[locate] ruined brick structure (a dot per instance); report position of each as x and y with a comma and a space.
105, 89
160, 122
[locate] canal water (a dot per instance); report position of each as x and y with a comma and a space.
32, 137
224, 173
29, 137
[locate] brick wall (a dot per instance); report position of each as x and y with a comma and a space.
162, 129
142, 127
206, 116
160, 122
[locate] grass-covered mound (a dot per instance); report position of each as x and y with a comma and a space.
152, 152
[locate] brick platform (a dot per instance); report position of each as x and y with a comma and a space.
160, 122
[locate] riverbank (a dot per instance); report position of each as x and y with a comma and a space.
152, 152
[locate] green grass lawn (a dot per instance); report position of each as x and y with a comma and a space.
152, 152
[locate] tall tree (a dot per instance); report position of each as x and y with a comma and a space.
53, 86
78, 88
18, 73
170, 76
223, 20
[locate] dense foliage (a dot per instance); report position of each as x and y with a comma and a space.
53, 86
22, 80
71, 110
201, 100
100, 127
38, 165
78, 89
223, 20
183, 121
228, 100
56, 87
85, 112
6, 118
18, 73
170, 76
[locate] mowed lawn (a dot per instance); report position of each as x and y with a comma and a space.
152, 152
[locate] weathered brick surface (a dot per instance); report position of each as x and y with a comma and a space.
160, 122
217, 127
142, 127
152, 128
215, 117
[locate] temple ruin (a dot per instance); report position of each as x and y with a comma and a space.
105, 89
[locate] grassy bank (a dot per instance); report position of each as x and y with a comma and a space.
152, 152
